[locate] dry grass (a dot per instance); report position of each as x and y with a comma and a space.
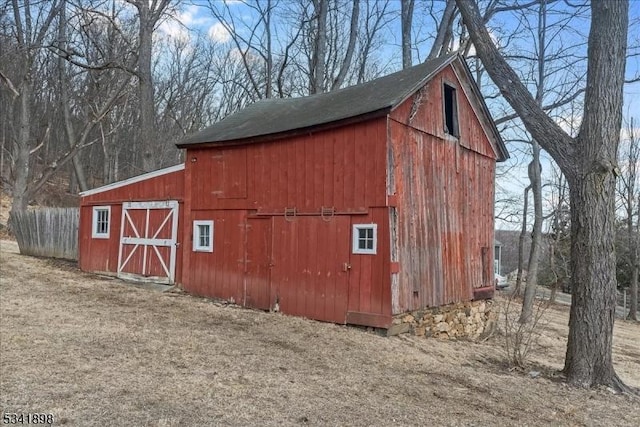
96, 351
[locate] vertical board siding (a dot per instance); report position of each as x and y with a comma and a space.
424, 111
444, 189
48, 232
343, 169
340, 168
219, 273
169, 186
101, 255
445, 218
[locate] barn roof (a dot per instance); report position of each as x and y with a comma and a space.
277, 116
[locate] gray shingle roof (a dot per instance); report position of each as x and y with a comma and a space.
273, 116
276, 116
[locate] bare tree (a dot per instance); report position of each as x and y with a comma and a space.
445, 31
406, 21
317, 58
64, 97
629, 193
559, 235
535, 175
376, 17
149, 13
29, 40
589, 163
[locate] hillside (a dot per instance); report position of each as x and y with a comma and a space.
97, 351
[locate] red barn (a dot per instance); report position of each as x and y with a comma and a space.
350, 206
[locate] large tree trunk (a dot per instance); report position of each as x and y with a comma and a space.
592, 193
593, 265
589, 163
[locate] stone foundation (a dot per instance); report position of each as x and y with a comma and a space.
471, 320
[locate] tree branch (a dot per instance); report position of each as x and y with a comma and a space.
549, 134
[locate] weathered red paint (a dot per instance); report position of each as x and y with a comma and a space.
101, 255
296, 260
283, 213
444, 188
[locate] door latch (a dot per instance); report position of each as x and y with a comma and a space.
346, 266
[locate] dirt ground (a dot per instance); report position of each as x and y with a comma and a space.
97, 351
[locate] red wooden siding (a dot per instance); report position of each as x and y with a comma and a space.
219, 273
307, 280
169, 186
260, 256
342, 168
424, 111
101, 255
444, 192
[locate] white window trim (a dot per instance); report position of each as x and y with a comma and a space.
355, 238
196, 236
94, 222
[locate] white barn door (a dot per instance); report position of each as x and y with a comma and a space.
148, 236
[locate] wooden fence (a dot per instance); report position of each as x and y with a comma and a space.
48, 232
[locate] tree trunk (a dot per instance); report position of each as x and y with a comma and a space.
444, 31
592, 194
319, 47
521, 239
589, 164
536, 235
593, 263
406, 10
269, 66
78, 168
635, 271
535, 178
553, 268
21, 170
353, 35
145, 93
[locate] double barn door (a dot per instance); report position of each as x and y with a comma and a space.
148, 241
303, 265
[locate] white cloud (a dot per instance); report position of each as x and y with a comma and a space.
217, 32
180, 23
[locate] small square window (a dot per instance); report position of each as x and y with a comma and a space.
101, 221
203, 236
365, 239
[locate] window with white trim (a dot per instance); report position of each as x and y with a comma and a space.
365, 239
203, 236
101, 221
